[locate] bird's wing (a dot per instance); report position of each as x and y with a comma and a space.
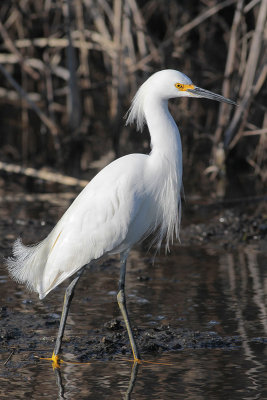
98, 221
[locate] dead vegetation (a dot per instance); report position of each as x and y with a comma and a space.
68, 70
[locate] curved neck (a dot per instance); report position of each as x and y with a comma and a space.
165, 136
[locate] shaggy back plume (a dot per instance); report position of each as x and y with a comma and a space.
169, 201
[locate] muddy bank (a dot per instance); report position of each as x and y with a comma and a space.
228, 227
19, 334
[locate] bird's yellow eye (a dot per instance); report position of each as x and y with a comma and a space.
182, 87
179, 86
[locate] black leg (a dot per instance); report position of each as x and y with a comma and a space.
66, 306
122, 305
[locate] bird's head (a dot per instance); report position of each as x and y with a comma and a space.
170, 84
164, 85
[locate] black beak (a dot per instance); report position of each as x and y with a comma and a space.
198, 92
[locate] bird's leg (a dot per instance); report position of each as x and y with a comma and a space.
69, 293
122, 304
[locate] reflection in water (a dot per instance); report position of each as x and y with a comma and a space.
258, 288
132, 381
59, 384
247, 268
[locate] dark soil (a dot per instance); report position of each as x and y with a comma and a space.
18, 332
230, 227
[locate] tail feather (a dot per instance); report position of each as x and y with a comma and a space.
28, 263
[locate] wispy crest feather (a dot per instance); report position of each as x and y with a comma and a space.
136, 113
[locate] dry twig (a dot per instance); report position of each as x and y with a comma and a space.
43, 175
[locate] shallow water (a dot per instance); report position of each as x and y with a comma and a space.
202, 288
201, 374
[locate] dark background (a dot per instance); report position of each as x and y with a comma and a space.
69, 70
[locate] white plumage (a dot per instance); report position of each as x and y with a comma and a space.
132, 197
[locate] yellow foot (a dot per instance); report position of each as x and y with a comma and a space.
137, 360
55, 360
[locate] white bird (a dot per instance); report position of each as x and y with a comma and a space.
135, 196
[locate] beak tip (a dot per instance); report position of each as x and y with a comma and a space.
212, 96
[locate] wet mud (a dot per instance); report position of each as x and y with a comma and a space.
19, 334
228, 227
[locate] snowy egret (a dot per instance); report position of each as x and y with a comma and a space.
135, 196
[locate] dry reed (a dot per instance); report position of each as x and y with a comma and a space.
68, 70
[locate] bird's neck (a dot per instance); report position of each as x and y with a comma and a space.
165, 136
165, 167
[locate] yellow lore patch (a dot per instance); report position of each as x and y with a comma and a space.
183, 87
